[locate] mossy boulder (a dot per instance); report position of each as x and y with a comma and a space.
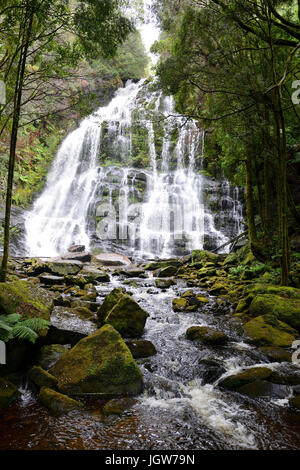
168, 271
141, 348
276, 354
180, 304
63, 268
8, 393
99, 364
285, 309
42, 378
109, 302
49, 354
25, 298
80, 281
219, 288
127, 317
163, 264
57, 402
295, 402
233, 382
267, 330
231, 259
164, 283
262, 388
117, 406
205, 256
206, 335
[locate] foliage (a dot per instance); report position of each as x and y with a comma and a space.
14, 326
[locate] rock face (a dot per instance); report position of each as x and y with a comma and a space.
206, 335
26, 299
99, 364
57, 402
267, 330
127, 317
8, 393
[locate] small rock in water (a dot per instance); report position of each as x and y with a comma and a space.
206, 335
116, 406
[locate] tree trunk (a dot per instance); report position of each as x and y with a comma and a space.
14, 135
249, 201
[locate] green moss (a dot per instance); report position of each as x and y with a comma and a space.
206, 335
201, 255
109, 302
98, 364
236, 381
285, 309
127, 317
41, 378
57, 402
8, 393
49, 354
26, 299
266, 329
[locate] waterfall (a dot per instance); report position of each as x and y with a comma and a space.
158, 210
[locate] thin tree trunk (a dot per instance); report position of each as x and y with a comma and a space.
249, 202
14, 135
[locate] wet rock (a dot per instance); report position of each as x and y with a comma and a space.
289, 375
219, 289
57, 402
84, 257
285, 309
180, 304
233, 382
127, 317
70, 319
262, 388
118, 405
168, 271
8, 393
204, 256
134, 272
80, 280
49, 355
242, 306
57, 335
295, 402
268, 330
51, 280
163, 264
60, 301
276, 354
109, 302
76, 249
210, 371
27, 299
42, 378
206, 335
141, 348
111, 259
101, 364
164, 283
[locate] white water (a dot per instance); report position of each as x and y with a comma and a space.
171, 219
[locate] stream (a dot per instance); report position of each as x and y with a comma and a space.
178, 409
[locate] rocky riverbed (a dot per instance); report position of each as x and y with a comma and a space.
187, 353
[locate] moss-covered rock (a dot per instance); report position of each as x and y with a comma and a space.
127, 317
99, 364
180, 304
219, 288
164, 283
233, 382
267, 330
57, 402
163, 264
41, 378
206, 335
141, 348
117, 406
49, 354
276, 354
205, 256
109, 302
262, 388
25, 298
295, 402
8, 393
285, 309
168, 271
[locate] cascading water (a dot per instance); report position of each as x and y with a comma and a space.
167, 217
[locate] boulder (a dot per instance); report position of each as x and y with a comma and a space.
84, 257
206, 335
99, 364
76, 249
62, 336
262, 388
111, 259
285, 309
117, 406
49, 355
205, 256
267, 330
210, 371
51, 280
295, 402
8, 393
64, 267
41, 378
133, 272
168, 271
109, 302
218, 289
57, 402
233, 382
70, 319
164, 283
141, 348
25, 298
180, 304
163, 264
127, 317
276, 354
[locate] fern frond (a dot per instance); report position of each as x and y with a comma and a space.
5, 335
4, 326
23, 332
12, 319
35, 324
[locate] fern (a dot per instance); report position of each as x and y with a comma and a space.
14, 326
23, 332
36, 324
